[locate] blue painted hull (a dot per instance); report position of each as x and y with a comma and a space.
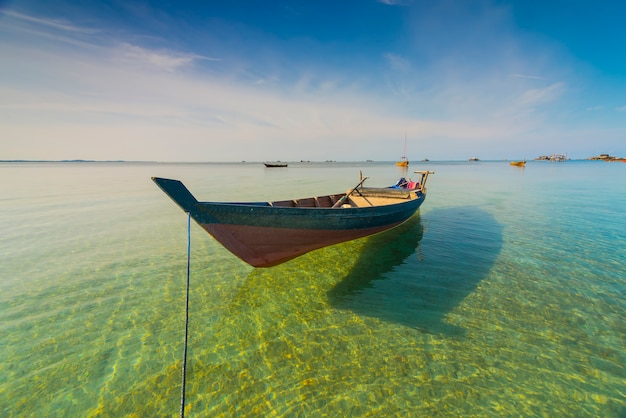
264, 235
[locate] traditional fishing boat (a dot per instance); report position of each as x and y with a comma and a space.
275, 165
264, 234
518, 163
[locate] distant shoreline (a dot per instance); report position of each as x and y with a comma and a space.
261, 162
73, 161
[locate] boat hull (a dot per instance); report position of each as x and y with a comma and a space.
263, 235
267, 246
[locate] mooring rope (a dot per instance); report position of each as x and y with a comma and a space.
182, 390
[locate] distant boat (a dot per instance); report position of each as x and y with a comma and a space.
518, 163
404, 162
264, 234
273, 165
474, 159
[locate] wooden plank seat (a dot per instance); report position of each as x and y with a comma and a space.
387, 192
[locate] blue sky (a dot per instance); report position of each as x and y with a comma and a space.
165, 80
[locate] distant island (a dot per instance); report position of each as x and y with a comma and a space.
606, 157
553, 157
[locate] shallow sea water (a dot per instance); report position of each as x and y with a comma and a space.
504, 296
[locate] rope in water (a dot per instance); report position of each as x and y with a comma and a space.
182, 390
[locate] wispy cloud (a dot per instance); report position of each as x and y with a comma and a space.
166, 60
397, 62
547, 94
394, 2
50, 23
621, 108
63, 32
532, 77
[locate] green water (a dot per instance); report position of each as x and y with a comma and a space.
504, 296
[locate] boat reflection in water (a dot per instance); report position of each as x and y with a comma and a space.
406, 276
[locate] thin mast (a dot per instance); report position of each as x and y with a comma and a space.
404, 154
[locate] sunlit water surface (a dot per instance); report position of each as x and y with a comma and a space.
504, 295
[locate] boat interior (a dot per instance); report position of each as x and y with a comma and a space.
309, 202
361, 197
358, 198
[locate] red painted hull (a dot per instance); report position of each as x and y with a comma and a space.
267, 247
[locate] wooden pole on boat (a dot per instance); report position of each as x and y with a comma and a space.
347, 195
424, 175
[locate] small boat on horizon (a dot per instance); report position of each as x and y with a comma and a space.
265, 234
518, 163
474, 159
274, 165
404, 162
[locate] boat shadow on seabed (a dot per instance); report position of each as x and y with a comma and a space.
404, 277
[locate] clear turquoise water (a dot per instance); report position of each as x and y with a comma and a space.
505, 295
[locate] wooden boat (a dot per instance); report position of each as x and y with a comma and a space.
272, 165
518, 163
264, 234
